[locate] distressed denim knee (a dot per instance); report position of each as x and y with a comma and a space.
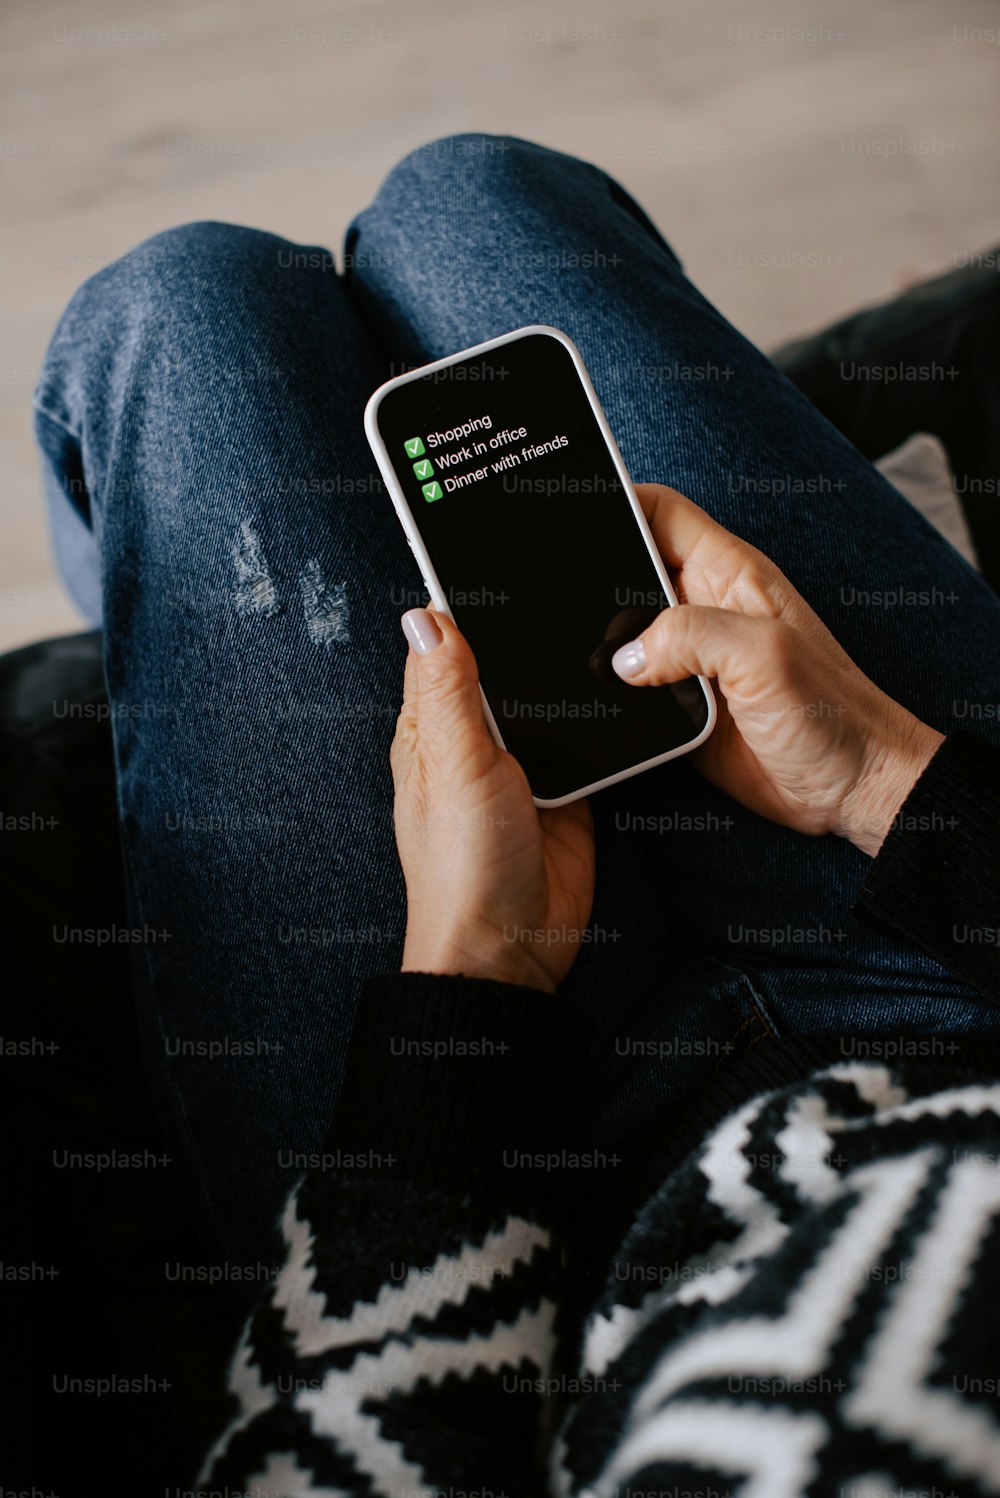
202, 320
208, 338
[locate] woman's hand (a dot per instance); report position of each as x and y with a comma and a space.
804, 738
495, 888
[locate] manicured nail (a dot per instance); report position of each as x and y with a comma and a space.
628, 660
422, 631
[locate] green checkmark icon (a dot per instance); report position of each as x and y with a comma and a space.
432, 491
414, 447
424, 469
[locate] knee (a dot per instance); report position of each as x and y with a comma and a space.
501, 167
204, 259
206, 274
206, 242
198, 291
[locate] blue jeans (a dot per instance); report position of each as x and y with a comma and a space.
215, 508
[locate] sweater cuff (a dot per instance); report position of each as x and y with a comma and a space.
936, 879
453, 1081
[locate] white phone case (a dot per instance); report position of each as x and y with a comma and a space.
431, 579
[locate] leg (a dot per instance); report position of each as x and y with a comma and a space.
208, 390
530, 235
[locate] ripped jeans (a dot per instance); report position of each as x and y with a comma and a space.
214, 506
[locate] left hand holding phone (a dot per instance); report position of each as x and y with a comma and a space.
495, 887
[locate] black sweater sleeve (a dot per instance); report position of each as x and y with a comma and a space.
936, 879
410, 1339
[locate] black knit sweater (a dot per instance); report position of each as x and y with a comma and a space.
787, 1287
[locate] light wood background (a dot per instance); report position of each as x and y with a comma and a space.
860, 133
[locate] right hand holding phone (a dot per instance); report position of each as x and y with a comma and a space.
804, 737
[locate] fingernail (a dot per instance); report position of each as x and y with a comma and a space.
628, 660
421, 629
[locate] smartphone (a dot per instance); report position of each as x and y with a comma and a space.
528, 534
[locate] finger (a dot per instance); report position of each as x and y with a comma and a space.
441, 685
714, 566
678, 524
690, 640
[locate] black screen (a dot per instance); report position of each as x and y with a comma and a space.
518, 501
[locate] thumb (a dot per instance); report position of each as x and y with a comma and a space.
692, 640
441, 684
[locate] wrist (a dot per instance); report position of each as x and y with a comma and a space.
472, 953
893, 766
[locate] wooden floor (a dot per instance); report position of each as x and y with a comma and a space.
803, 162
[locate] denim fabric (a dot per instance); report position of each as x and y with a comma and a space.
215, 507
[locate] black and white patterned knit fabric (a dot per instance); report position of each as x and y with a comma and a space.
806, 1305
788, 1287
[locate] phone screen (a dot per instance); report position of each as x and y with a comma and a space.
516, 496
